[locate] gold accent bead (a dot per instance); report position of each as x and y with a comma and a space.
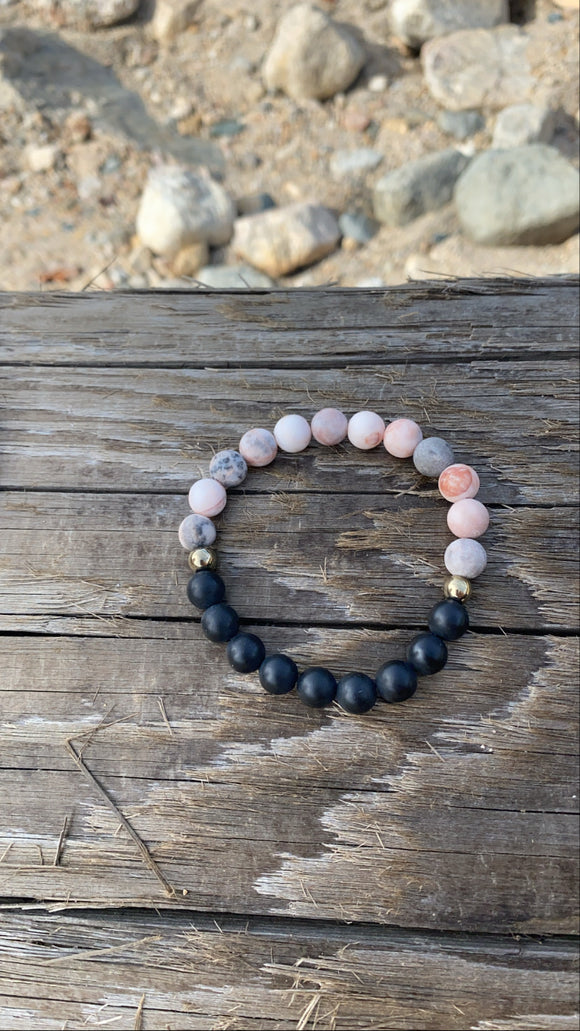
202, 558
457, 587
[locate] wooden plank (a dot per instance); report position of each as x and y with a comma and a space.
60, 972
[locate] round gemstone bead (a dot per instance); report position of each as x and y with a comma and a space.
207, 497
317, 687
278, 674
196, 531
401, 437
292, 433
246, 652
356, 693
468, 518
258, 447
396, 681
449, 619
220, 622
228, 468
458, 482
202, 558
366, 430
329, 426
206, 588
465, 557
457, 587
427, 653
432, 455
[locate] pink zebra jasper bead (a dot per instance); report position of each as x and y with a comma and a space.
207, 497
292, 433
458, 482
258, 447
329, 426
366, 430
468, 518
465, 557
402, 437
195, 531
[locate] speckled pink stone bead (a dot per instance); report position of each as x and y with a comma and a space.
366, 430
195, 531
401, 437
207, 497
329, 426
292, 433
458, 482
468, 518
465, 557
258, 447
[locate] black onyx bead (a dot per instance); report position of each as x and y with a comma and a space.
317, 687
246, 652
205, 588
427, 653
356, 692
278, 674
220, 622
449, 619
396, 681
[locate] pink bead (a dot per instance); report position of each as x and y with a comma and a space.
329, 426
468, 518
258, 447
465, 557
207, 497
292, 433
458, 482
402, 437
366, 430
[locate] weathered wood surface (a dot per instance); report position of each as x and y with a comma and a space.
454, 813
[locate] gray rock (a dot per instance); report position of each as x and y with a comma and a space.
311, 55
345, 163
523, 123
233, 277
356, 226
285, 239
460, 124
525, 195
180, 207
87, 14
416, 21
478, 67
420, 186
253, 203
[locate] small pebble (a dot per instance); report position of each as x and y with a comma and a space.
196, 531
468, 518
432, 455
207, 497
228, 468
366, 430
329, 426
465, 557
458, 482
292, 433
356, 226
402, 437
258, 447
378, 83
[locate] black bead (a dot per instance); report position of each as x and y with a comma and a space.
449, 619
316, 687
220, 622
356, 692
427, 653
205, 588
396, 681
278, 674
246, 652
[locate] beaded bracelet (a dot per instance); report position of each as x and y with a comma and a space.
465, 558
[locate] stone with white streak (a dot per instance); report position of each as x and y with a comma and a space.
282, 240
181, 207
416, 21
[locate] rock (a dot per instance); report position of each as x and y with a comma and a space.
41, 158
416, 21
77, 128
356, 226
253, 203
171, 17
354, 162
523, 123
525, 195
355, 119
478, 67
86, 14
285, 239
233, 277
377, 83
460, 124
311, 55
180, 207
190, 259
420, 186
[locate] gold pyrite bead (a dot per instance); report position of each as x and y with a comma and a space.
202, 558
457, 587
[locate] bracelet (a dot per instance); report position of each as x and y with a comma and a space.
465, 558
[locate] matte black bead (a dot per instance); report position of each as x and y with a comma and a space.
356, 692
246, 652
317, 687
396, 681
205, 588
278, 674
427, 653
449, 619
220, 622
